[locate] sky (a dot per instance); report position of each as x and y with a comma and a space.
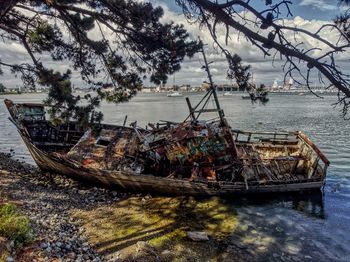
307, 14
308, 9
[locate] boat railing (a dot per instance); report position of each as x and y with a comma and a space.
248, 136
317, 152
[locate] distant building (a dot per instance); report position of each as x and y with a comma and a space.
205, 86
149, 89
184, 88
227, 87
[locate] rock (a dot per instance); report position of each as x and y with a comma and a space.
10, 246
10, 259
275, 255
279, 229
240, 245
43, 245
293, 249
166, 252
251, 251
197, 235
318, 245
262, 248
148, 196
144, 246
296, 259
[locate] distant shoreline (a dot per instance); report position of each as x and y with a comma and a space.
10, 93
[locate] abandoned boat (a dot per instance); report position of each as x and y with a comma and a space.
193, 157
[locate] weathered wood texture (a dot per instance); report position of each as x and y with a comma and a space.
150, 183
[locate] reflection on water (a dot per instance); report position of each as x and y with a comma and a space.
308, 203
322, 221
313, 205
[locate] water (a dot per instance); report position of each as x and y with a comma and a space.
316, 223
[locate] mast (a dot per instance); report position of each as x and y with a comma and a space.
212, 88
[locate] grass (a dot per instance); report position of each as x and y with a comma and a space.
13, 225
161, 221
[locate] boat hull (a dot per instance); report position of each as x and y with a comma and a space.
150, 183
269, 162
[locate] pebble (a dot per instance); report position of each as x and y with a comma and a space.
293, 249
166, 252
275, 255
197, 236
43, 245
10, 259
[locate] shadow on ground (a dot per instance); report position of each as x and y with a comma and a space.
154, 229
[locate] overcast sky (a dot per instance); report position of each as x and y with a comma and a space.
308, 14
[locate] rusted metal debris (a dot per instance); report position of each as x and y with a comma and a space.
193, 150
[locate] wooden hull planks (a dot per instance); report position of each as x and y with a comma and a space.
150, 183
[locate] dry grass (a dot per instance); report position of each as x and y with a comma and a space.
161, 221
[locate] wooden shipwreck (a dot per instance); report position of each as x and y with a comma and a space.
192, 157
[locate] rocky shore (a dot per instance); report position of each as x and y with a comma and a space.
46, 200
49, 201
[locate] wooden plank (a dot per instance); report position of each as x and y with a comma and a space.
268, 173
314, 167
314, 147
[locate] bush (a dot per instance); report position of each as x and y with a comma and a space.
13, 225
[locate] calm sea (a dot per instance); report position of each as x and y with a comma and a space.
320, 223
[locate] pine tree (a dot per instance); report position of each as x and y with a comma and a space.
114, 43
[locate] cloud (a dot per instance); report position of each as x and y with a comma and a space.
319, 4
323, 5
265, 69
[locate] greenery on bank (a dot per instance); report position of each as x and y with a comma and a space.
13, 225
